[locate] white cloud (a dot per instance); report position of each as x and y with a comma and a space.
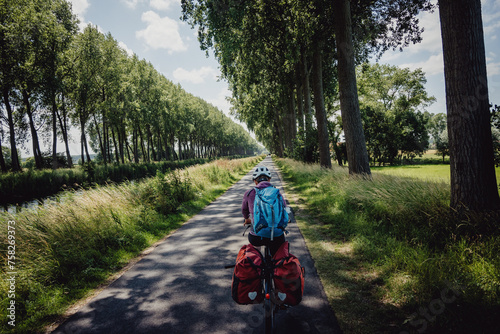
80, 7
126, 48
491, 16
431, 66
161, 33
156, 4
132, 4
493, 27
195, 76
493, 68
163, 4
221, 102
431, 37
390, 56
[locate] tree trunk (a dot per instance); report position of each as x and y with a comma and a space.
168, 149
300, 101
127, 146
319, 106
143, 148
34, 136
85, 145
152, 142
64, 129
105, 139
117, 156
136, 150
3, 166
357, 155
306, 90
121, 142
159, 146
54, 132
85, 150
473, 182
172, 147
180, 151
103, 152
291, 123
279, 138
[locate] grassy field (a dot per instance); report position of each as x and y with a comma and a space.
390, 254
65, 250
434, 173
423, 172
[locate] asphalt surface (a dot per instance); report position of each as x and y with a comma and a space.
182, 286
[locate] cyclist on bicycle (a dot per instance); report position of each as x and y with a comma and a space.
261, 177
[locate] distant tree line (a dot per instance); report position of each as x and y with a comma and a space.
54, 78
392, 103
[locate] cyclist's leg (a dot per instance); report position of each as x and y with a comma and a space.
257, 241
275, 244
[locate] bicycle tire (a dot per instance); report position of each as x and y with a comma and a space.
269, 305
269, 316
269, 311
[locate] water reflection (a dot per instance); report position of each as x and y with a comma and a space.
38, 203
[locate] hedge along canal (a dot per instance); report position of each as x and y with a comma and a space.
65, 250
27, 189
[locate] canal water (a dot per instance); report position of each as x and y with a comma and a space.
37, 203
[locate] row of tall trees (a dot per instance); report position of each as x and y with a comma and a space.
287, 60
54, 78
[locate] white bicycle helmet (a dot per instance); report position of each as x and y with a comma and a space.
261, 170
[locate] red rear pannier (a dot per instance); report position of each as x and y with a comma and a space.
288, 276
246, 287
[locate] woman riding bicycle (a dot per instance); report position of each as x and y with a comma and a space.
261, 177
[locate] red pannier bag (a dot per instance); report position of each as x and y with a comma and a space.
288, 276
246, 287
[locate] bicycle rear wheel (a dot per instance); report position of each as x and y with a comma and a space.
269, 304
269, 309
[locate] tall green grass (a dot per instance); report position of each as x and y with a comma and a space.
64, 250
401, 231
32, 184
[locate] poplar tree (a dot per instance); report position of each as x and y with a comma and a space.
473, 181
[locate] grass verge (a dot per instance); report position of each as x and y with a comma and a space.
390, 255
65, 250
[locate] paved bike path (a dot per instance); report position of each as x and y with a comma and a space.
182, 286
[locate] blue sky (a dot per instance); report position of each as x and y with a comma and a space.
153, 30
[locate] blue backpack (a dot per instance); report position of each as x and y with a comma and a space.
269, 215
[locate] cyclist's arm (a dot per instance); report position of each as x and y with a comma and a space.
245, 208
283, 198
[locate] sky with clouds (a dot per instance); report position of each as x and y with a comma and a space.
153, 30
428, 55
